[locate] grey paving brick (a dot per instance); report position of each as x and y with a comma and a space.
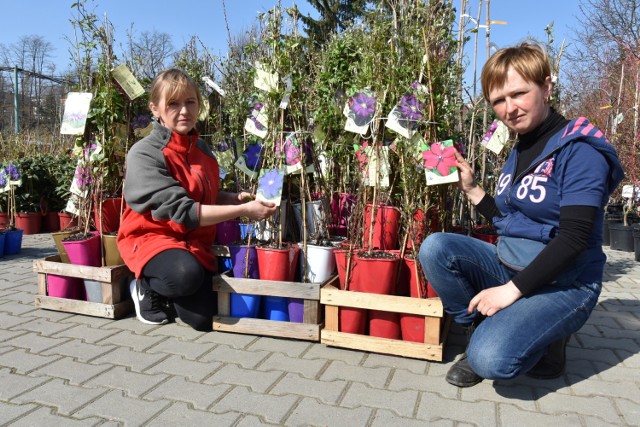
201, 396
134, 360
289, 347
9, 321
80, 350
180, 414
9, 412
134, 384
511, 416
416, 366
629, 410
181, 330
311, 412
114, 405
404, 380
69, 369
226, 354
15, 384
23, 361
271, 408
6, 336
65, 398
326, 391
517, 392
41, 326
351, 357
132, 340
433, 407
595, 406
615, 389
229, 339
45, 416
86, 333
25, 310
35, 343
385, 418
402, 403
188, 350
280, 362
257, 381
179, 366
375, 377
252, 421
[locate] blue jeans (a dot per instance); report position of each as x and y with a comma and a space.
513, 340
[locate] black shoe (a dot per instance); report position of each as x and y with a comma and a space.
461, 374
552, 363
169, 309
148, 304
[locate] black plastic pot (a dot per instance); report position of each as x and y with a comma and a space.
636, 240
608, 218
621, 237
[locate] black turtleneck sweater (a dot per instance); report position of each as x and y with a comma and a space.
575, 224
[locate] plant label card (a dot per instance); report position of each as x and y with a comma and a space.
256, 124
288, 82
76, 108
264, 79
211, 85
360, 110
496, 137
127, 81
440, 163
407, 114
270, 186
249, 161
291, 153
378, 169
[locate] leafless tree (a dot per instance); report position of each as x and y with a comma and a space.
148, 53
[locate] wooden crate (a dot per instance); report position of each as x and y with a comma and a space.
436, 324
309, 330
114, 280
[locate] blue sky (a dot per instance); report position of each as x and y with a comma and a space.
204, 18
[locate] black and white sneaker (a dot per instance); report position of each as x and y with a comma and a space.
148, 304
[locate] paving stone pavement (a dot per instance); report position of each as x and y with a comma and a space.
58, 368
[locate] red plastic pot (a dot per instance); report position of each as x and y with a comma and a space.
412, 325
278, 264
385, 227
50, 222
67, 220
110, 214
31, 222
378, 276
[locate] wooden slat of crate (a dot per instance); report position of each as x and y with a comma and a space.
113, 281
309, 292
436, 326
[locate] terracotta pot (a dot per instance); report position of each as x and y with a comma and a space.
385, 227
108, 219
4, 220
50, 222
67, 220
30, 222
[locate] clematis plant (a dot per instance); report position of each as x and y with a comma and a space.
10, 178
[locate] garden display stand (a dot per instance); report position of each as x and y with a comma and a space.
114, 282
436, 323
309, 293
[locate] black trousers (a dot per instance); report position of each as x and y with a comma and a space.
177, 275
